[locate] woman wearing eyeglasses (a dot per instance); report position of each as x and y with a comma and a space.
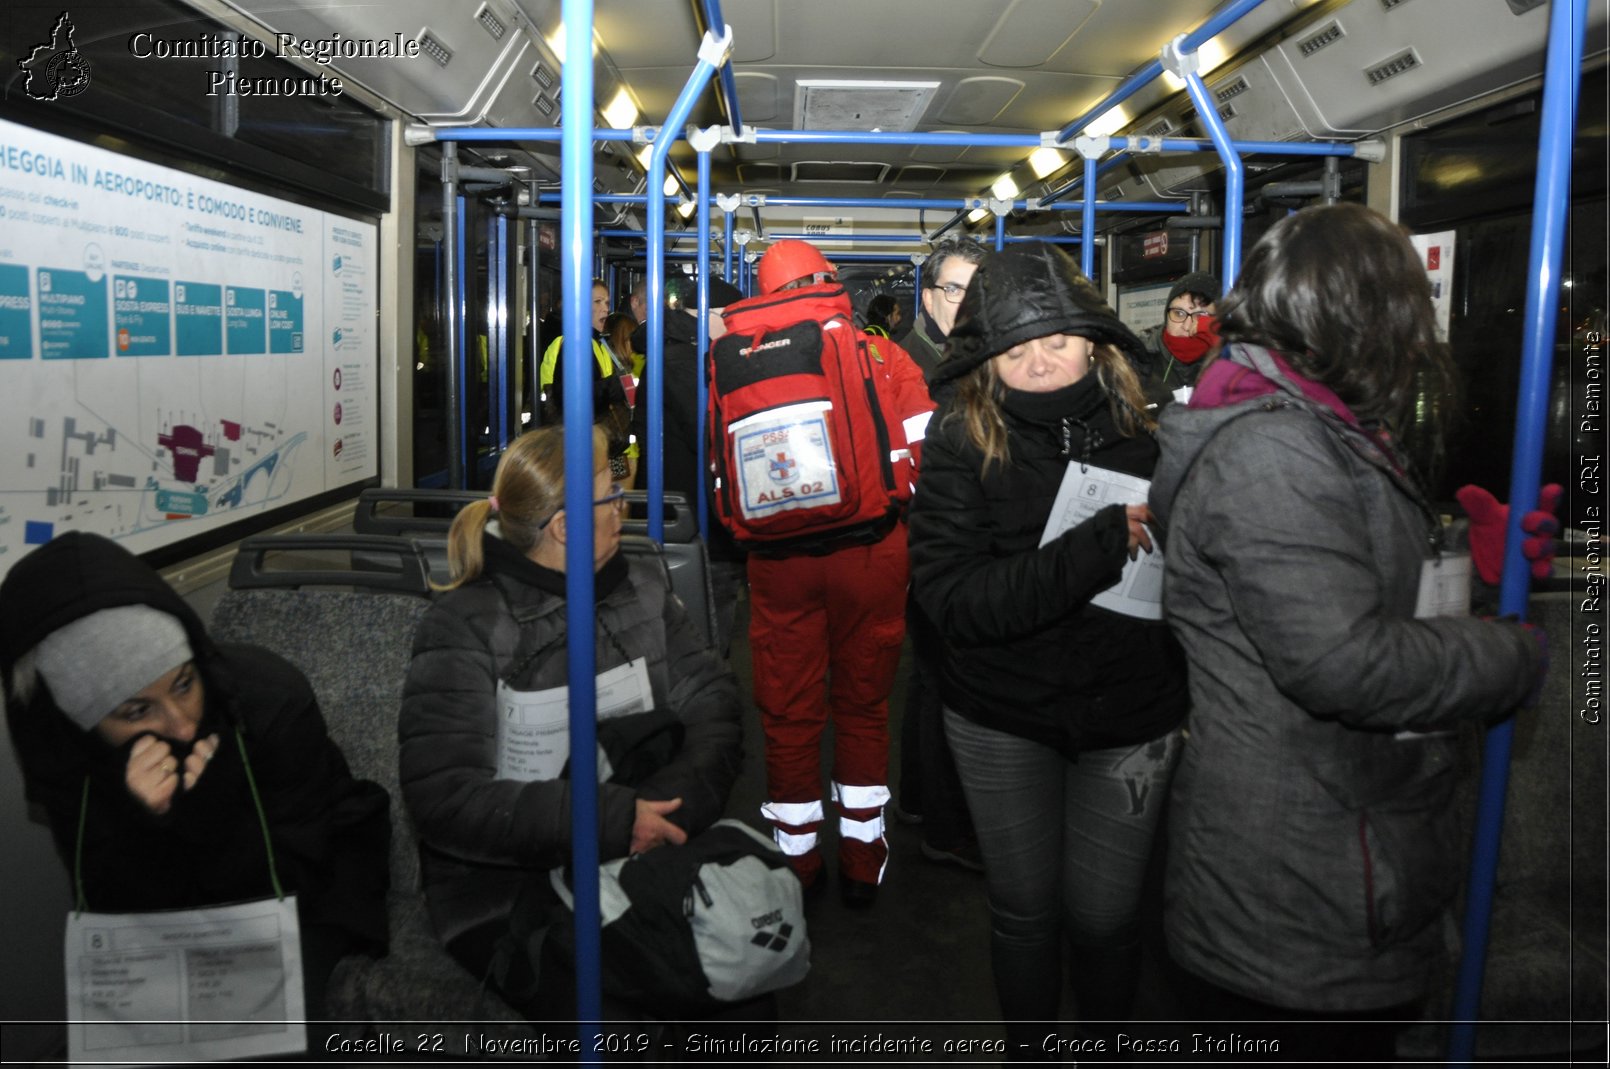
1188, 333
484, 725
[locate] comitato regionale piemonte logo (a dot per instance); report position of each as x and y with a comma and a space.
55, 69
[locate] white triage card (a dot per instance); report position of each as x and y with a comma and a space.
193, 985
1444, 591
1444, 586
1139, 592
534, 725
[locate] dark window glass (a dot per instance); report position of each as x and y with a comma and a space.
1486, 162
327, 145
1476, 176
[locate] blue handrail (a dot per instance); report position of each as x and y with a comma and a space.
1087, 222
1567, 21
576, 252
1234, 174
700, 390
729, 84
655, 367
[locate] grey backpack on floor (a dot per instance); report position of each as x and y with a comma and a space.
690, 928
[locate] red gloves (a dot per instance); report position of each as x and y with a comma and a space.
1488, 519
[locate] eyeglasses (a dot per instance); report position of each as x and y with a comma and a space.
616, 498
1180, 315
953, 293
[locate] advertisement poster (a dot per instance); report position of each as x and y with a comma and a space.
1436, 254
175, 353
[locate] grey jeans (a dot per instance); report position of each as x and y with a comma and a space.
1065, 845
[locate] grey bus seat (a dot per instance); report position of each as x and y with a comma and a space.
354, 646
425, 516
685, 554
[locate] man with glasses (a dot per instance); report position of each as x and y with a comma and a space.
930, 790
948, 270
1189, 332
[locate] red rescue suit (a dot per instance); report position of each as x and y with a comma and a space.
825, 635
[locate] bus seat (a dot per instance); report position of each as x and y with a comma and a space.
685, 554
425, 516
1546, 961
354, 646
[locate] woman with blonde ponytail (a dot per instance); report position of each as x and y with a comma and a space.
484, 723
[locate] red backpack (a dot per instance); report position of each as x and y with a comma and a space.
800, 442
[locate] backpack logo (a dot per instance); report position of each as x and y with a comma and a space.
774, 941
784, 469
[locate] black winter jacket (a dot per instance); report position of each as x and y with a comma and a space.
480, 836
683, 423
1025, 652
331, 833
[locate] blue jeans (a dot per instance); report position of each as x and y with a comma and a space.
1065, 845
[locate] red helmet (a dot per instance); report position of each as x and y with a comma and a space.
788, 260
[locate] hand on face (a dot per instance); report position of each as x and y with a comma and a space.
154, 773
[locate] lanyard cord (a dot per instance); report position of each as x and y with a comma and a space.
262, 817
257, 801
78, 849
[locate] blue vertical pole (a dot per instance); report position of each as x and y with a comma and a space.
726, 241
576, 245
1000, 232
498, 348
447, 292
1087, 224
1234, 174
1550, 203
461, 298
710, 50
701, 396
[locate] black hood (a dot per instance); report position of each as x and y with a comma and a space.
65, 579
72, 576
1029, 291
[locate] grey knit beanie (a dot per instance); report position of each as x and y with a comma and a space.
99, 661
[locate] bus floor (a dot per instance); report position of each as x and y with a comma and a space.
920, 954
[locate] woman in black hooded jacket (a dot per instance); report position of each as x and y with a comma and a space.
148, 786
1063, 716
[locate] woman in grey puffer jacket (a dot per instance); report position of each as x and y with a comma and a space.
1311, 857
492, 803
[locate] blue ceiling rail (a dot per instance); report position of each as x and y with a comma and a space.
1057, 194
576, 253
914, 137
1550, 204
1216, 24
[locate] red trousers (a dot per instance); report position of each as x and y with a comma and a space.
825, 636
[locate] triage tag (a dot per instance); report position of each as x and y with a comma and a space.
534, 725
1444, 586
1085, 492
190, 985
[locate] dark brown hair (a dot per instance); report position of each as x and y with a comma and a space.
1340, 291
